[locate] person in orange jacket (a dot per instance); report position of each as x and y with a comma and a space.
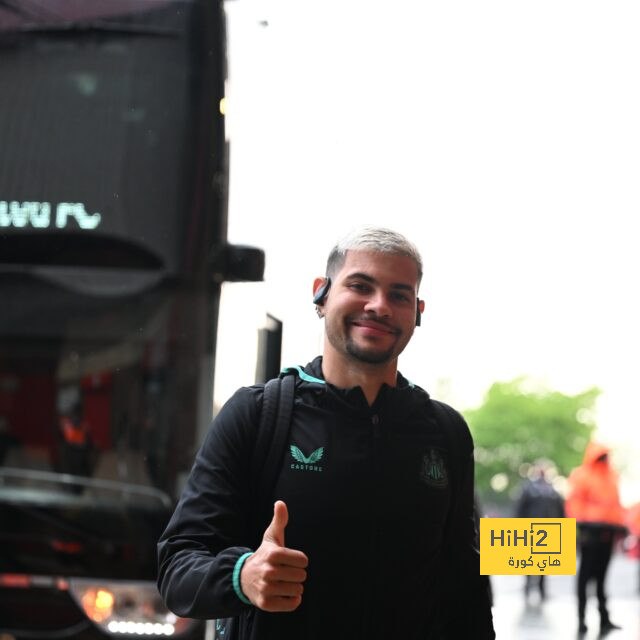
76, 446
593, 501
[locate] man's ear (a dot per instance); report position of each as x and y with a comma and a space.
320, 290
419, 311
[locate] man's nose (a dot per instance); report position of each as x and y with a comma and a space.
378, 304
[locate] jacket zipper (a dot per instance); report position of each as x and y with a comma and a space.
368, 611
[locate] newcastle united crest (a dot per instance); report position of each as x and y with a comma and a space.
434, 470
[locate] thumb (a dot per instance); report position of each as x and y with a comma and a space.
275, 531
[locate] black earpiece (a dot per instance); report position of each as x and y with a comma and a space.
418, 314
321, 293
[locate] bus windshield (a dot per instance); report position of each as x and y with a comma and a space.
97, 146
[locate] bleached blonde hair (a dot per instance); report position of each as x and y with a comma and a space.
377, 239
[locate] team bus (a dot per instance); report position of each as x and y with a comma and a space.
113, 178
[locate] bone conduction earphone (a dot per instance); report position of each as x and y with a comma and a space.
321, 294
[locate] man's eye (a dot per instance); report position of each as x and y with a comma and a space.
358, 286
401, 297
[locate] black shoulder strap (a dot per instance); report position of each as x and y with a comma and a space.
271, 441
279, 428
270, 402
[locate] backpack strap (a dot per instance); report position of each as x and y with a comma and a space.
271, 443
279, 428
268, 414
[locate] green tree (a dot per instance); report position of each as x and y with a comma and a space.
519, 423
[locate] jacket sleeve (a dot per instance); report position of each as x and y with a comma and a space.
576, 498
210, 527
466, 594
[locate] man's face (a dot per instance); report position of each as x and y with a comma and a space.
370, 311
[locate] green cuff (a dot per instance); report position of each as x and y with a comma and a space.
236, 577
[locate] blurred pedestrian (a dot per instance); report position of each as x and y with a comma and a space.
75, 446
538, 499
593, 501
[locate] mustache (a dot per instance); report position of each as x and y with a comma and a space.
364, 319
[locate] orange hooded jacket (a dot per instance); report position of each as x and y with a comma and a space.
633, 520
593, 490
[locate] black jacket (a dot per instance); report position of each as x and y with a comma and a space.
376, 501
538, 499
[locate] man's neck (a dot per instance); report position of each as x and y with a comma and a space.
346, 373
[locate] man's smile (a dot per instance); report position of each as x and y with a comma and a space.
374, 327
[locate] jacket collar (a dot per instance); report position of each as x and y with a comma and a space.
390, 399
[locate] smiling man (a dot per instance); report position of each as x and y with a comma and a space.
372, 531
369, 316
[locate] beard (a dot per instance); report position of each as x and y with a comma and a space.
368, 355
342, 341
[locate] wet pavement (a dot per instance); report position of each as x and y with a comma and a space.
556, 618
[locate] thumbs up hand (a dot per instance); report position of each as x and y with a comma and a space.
275, 531
272, 577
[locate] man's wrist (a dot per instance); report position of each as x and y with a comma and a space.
237, 587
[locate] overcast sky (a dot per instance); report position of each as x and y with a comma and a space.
503, 138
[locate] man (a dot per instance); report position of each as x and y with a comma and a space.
538, 499
372, 529
593, 501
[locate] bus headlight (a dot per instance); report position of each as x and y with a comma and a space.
130, 608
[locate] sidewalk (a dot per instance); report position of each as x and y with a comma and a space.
556, 617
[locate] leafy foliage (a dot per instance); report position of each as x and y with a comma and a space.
519, 423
